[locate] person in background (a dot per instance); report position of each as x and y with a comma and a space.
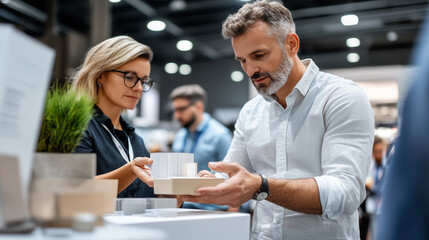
115, 73
373, 184
200, 134
405, 197
375, 174
302, 147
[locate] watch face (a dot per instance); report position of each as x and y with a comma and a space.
261, 196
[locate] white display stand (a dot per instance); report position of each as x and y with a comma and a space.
180, 223
107, 232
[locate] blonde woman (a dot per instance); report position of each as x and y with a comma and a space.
116, 74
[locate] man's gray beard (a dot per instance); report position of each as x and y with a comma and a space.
278, 78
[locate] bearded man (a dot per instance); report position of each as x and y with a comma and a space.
200, 134
302, 147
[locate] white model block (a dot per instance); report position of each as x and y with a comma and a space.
190, 169
167, 165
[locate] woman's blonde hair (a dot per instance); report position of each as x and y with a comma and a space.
107, 55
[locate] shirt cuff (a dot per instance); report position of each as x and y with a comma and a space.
330, 196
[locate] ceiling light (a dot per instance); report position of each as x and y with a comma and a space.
353, 42
237, 76
156, 25
184, 45
115, 1
171, 68
392, 36
185, 69
177, 5
349, 20
353, 57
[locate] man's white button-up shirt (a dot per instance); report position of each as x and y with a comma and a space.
326, 132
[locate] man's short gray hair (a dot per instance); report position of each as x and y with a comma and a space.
277, 16
192, 92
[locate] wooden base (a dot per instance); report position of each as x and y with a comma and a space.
183, 185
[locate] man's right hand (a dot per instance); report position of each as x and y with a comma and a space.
140, 168
238, 189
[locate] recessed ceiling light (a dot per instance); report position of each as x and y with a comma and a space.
171, 68
156, 25
237, 76
349, 20
184, 45
353, 57
392, 36
115, 1
185, 69
353, 42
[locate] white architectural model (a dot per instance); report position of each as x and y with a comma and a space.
175, 173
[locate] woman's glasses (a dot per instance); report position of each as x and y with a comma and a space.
131, 79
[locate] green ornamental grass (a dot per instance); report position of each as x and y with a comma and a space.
66, 117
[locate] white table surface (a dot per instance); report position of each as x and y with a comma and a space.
189, 224
155, 224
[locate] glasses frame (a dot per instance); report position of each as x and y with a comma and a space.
182, 109
145, 81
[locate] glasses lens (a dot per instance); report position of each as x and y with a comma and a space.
130, 79
147, 85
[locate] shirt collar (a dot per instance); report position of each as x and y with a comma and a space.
206, 118
304, 83
100, 117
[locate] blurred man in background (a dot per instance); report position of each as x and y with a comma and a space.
200, 134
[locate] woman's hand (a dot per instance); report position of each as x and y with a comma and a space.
140, 168
205, 173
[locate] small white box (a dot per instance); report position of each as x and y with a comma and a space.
131, 205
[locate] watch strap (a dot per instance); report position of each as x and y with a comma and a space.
264, 184
263, 188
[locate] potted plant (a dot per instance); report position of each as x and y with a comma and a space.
65, 119
63, 182
64, 122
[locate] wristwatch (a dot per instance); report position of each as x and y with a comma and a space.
263, 192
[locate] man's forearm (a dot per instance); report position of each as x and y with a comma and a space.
300, 195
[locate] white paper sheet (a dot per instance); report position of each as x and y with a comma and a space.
25, 72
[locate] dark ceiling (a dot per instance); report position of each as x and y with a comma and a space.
322, 35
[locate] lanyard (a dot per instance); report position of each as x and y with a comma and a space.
194, 144
120, 148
